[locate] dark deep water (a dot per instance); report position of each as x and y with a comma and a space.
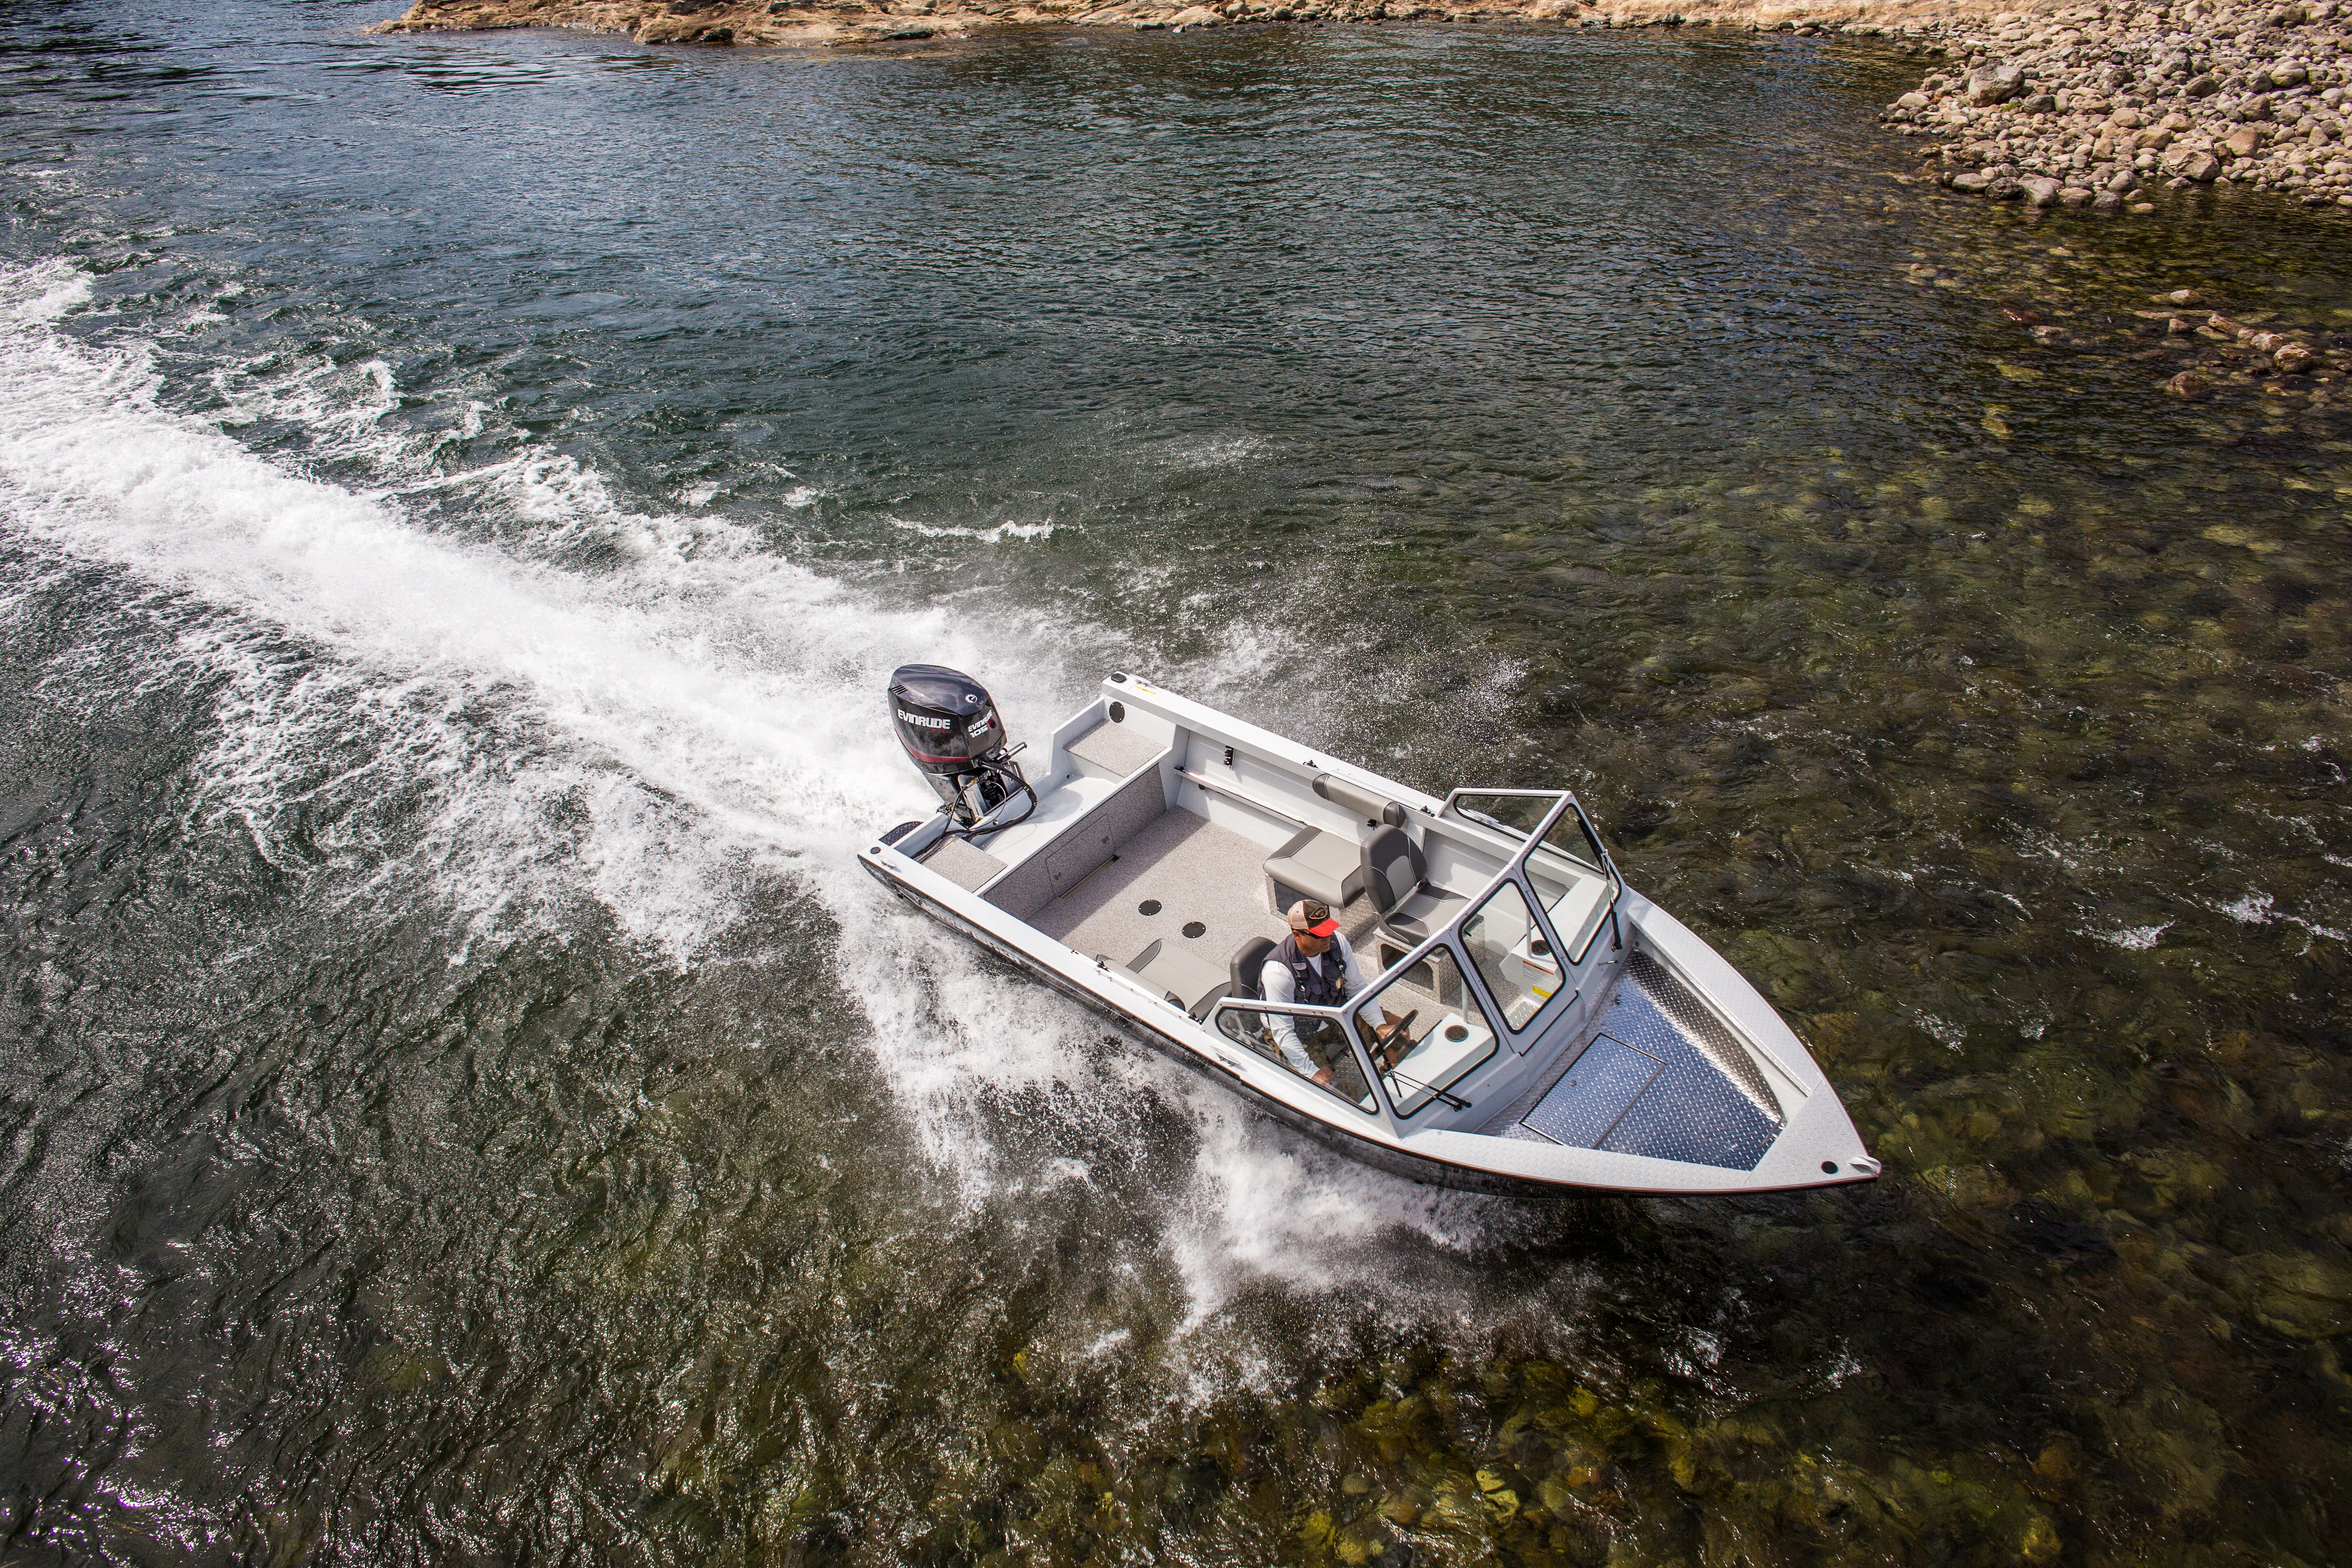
460, 498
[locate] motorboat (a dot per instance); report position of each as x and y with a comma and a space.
1526, 1022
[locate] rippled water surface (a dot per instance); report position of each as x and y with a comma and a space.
461, 497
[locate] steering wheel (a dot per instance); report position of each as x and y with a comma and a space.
1396, 1031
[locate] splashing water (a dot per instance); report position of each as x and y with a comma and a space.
712, 712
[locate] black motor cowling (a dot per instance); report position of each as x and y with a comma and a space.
952, 732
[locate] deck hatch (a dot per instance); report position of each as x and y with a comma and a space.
1591, 1096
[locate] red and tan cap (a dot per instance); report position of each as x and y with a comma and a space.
1312, 916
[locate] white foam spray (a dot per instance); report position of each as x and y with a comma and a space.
710, 707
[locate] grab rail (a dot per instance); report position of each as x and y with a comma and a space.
1220, 787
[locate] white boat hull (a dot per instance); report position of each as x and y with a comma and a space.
1643, 965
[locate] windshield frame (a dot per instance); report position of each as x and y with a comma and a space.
1453, 810
1530, 842
1449, 936
1481, 998
1380, 1109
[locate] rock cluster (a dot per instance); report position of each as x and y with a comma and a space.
2248, 354
2089, 106
2273, 364
865, 21
838, 22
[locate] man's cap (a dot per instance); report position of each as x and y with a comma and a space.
1312, 916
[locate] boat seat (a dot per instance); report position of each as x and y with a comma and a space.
1187, 979
1396, 879
1315, 864
1248, 964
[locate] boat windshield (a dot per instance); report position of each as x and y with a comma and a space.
1513, 812
1305, 1040
1425, 1030
1566, 867
1518, 965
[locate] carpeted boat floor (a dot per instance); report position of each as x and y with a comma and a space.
1193, 872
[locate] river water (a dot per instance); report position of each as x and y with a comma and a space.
459, 500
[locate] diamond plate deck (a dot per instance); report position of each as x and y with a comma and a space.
1688, 1108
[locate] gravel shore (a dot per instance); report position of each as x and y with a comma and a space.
850, 22
2091, 106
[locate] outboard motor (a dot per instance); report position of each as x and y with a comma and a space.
951, 733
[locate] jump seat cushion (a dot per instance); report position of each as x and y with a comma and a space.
1190, 981
1315, 864
1396, 879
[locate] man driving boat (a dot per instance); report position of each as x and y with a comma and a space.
1315, 966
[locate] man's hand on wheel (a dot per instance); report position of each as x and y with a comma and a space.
1394, 1039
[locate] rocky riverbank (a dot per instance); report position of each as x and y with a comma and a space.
838, 22
2090, 105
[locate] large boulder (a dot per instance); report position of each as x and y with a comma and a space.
2041, 192
1995, 83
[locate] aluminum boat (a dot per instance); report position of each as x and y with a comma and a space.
1526, 1020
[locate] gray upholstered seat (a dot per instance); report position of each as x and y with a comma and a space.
1248, 964
1396, 879
1187, 979
1422, 916
1315, 864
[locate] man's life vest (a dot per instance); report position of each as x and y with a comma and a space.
1309, 985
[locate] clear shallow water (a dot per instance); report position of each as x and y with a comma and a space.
460, 499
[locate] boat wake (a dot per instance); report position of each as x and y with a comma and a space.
654, 734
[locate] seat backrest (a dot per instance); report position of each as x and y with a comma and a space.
1392, 868
1249, 959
